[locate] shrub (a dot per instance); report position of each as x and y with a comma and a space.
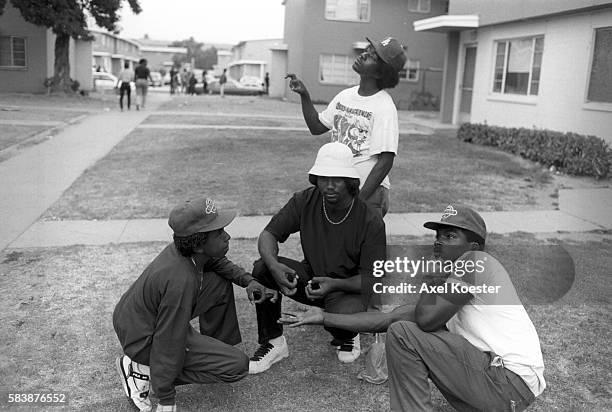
570, 153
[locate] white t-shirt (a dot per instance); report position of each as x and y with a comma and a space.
367, 125
498, 321
126, 75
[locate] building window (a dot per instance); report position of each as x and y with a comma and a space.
347, 10
12, 52
337, 69
517, 66
600, 81
410, 72
419, 6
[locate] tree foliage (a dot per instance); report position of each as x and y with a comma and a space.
68, 18
202, 58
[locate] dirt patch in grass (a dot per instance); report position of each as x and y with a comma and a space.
256, 171
57, 335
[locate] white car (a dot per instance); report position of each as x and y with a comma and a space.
106, 81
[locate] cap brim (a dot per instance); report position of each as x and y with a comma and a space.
223, 219
377, 49
438, 225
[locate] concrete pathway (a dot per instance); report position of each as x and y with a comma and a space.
33, 180
65, 233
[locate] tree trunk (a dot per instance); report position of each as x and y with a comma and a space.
61, 75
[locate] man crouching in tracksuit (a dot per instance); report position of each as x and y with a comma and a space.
190, 277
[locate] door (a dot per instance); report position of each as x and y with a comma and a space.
467, 84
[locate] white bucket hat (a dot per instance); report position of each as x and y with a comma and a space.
333, 160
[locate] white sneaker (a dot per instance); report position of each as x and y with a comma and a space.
268, 354
135, 380
350, 350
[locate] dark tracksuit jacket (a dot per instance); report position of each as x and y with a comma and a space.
152, 318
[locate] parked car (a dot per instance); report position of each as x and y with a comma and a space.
106, 81
156, 79
234, 87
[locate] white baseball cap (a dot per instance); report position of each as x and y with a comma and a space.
334, 160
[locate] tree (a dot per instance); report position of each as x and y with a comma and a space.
67, 19
202, 59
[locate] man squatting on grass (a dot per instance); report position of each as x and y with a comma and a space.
341, 238
364, 117
190, 277
481, 350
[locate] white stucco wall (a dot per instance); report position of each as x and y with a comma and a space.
566, 63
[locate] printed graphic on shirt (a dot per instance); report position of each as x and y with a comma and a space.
352, 127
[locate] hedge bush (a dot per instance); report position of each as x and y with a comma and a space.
570, 153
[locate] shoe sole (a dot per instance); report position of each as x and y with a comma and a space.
284, 355
119, 365
349, 361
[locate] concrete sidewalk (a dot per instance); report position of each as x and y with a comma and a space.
33, 180
65, 233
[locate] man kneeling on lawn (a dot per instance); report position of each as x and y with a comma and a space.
468, 333
190, 277
341, 237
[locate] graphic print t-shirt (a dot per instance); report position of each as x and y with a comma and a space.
367, 125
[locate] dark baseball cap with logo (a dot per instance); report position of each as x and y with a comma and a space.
198, 215
462, 217
391, 52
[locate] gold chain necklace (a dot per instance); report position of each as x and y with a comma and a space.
345, 216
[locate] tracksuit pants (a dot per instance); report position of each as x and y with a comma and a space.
210, 355
469, 379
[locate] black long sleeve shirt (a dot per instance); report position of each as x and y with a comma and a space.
152, 317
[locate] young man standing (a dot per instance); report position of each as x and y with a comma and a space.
341, 237
469, 332
222, 81
364, 117
190, 277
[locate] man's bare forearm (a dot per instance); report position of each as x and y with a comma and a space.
368, 321
377, 174
311, 116
268, 248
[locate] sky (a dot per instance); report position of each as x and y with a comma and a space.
208, 21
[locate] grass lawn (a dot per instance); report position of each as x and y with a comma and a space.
257, 170
225, 120
59, 101
233, 104
11, 134
56, 333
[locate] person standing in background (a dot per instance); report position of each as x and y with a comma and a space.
143, 75
222, 81
123, 82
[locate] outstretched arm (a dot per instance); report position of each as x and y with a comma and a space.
311, 116
355, 322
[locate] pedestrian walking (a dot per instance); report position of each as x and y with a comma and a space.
143, 75
123, 82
